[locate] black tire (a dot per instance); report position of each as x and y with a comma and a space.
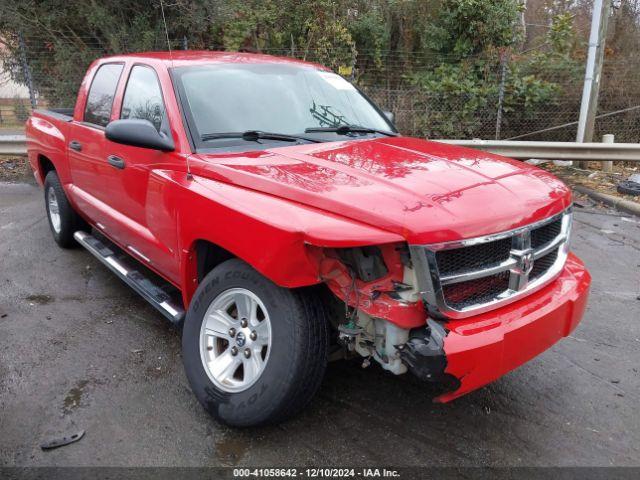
70, 221
297, 359
628, 187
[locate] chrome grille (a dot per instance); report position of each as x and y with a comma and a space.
481, 290
543, 264
460, 260
542, 235
459, 279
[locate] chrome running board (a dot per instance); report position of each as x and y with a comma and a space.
142, 284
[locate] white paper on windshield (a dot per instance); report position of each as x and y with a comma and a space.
337, 81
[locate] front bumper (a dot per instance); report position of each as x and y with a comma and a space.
484, 347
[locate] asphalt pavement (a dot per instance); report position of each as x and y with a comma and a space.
80, 351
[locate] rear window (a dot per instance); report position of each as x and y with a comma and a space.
101, 93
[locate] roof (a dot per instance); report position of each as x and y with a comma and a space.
178, 58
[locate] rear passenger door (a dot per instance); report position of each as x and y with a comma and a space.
89, 168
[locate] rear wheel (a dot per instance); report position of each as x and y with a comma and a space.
63, 220
254, 353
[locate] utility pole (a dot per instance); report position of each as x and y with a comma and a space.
593, 72
523, 23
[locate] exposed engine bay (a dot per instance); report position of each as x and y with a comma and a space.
383, 317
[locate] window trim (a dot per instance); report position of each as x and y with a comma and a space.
165, 116
115, 91
183, 115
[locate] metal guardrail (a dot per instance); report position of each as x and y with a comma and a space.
629, 152
15, 145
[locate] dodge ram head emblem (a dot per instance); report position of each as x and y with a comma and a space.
525, 263
519, 277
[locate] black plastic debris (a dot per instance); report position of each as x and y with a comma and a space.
61, 441
630, 186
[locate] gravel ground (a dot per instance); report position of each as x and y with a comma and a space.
15, 169
595, 178
79, 350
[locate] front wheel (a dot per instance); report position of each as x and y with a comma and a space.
254, 353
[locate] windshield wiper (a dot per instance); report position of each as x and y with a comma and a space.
346, 129
255, 135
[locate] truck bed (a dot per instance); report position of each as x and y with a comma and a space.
64, 114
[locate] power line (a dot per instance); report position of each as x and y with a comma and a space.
569, 124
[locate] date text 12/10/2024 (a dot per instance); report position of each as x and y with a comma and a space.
316, 472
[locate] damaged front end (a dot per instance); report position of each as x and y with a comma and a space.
384, 318
425, 356
460, 314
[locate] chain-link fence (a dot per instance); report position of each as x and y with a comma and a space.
455, 113
429, 95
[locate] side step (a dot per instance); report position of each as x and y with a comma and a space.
151, 292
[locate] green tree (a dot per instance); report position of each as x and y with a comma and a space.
466, 28
63, 37
439, 58
459, 97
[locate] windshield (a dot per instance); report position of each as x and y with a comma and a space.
284, 99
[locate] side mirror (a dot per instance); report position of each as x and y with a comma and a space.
390, 116
138, 133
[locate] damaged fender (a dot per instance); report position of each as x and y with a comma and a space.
379, 298
282, 240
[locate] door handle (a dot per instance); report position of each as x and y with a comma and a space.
115, 161
75, 145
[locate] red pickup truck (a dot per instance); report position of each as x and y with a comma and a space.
270, 209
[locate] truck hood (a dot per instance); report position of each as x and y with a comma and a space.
424, 191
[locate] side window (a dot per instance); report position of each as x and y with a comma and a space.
143, 97
101, 93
